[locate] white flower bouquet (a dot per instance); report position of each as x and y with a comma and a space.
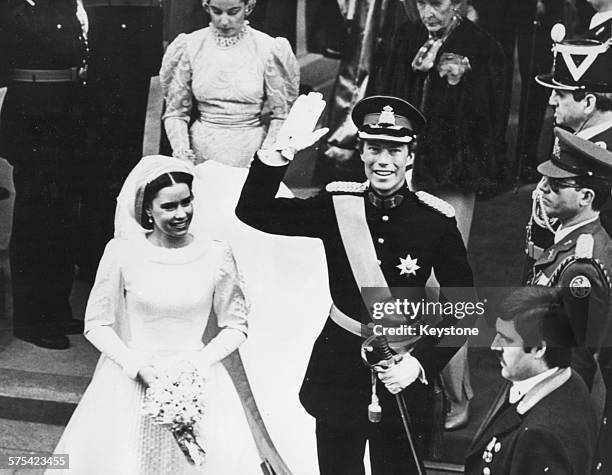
176, 400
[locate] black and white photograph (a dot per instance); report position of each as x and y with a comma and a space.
301, 237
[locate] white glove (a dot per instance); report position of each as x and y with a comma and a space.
400, 372
297, 132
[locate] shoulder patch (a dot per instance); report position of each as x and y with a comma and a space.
346, 187
580, 286
436, 203
584, 246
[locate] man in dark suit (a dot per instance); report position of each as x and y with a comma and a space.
42, 61
543, 421
398, 238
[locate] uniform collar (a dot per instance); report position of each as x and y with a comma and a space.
562, 232
599, 18
567, 243
520, 388
595, 130
387, 202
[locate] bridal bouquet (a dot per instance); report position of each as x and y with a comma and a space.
176, 400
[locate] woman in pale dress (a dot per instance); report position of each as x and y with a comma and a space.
232, 75
155, 288
228, 89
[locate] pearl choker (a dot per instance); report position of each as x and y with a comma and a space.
225, 42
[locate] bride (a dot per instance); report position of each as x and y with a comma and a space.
155, 288
230, 75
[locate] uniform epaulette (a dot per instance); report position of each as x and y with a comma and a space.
584, 246
436, 203
346, 187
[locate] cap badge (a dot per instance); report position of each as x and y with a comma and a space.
387, 117
588, 53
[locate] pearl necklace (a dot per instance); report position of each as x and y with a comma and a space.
225, 42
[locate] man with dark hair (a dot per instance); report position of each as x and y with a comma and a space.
582, 101
575, 187
543, 420
377, 234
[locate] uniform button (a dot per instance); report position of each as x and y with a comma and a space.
605, 421
123, 25
599, 465
385, 218
59, 26
486, 471
381, 241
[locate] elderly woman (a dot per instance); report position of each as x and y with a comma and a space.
454, 72
156, 287
232, 75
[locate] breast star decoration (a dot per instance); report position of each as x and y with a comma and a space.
408, 266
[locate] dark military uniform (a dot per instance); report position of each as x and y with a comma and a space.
580, 264
586, 282
336, 388
595, 78
125, 42
547, 436
41, 133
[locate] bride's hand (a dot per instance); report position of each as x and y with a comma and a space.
147, 375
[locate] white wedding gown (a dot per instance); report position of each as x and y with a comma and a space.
158, 302
286, 285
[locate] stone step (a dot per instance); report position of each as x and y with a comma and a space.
39, 397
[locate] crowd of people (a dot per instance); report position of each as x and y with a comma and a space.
206, 261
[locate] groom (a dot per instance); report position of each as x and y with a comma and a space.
396, 240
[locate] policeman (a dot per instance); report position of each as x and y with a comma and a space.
41, 132
376, 234
125, 43
576, 184
582, 101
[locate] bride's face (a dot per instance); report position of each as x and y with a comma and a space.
227, 15
172, 210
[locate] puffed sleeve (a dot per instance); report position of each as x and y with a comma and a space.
175, 78
231, 308
104, 310
281, 83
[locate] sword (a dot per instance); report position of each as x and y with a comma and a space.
381, 343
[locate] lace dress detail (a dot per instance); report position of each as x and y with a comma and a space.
150, 305
232, 89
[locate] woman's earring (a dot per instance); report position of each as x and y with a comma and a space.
150, 219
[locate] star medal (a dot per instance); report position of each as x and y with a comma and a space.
408, 266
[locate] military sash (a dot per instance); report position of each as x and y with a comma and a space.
357, 241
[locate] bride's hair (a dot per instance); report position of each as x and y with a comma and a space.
151, 190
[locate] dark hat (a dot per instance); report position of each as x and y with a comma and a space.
387, 118
580, 65
573, 156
